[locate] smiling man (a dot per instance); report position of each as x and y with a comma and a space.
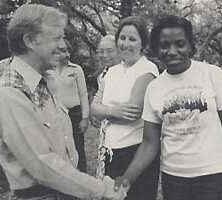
107, 54
37, 150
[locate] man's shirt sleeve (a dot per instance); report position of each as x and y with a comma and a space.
24, 135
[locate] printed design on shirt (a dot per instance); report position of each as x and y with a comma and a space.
182, 109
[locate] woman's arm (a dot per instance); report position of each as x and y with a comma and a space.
121, 111
216, 78
139, 89
137, 95
144, 156
98, 110
147, 151
220, 115
125, 112
83, 96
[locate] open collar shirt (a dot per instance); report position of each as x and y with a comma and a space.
36, 145
69, 86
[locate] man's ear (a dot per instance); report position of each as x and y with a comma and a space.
29, 40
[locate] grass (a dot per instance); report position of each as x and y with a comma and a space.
91, 143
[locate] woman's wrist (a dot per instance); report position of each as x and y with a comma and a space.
108, 112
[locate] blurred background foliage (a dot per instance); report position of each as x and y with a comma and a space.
89, 20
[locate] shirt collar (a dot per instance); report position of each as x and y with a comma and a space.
70, 64
31, 76
139, 62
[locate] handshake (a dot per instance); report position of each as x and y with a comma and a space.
115, 190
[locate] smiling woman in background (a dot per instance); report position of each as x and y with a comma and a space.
186, 112
119, 104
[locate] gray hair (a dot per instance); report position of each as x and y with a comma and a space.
28, 19
107, 38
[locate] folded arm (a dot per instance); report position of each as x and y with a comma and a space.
123, 112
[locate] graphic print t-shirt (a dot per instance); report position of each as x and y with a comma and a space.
186, 104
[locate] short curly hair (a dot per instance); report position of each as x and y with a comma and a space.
171, 21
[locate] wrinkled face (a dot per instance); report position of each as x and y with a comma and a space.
48, 45
129, 44
174, 50
107, 53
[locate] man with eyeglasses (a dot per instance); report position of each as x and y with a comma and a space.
107, 55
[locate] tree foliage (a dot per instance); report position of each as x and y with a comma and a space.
89, 20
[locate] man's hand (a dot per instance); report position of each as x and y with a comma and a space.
125, 111
83, 125
121, 181
109, 191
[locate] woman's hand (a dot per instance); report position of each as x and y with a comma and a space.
121, 181
125, 112
83, 125
95, 122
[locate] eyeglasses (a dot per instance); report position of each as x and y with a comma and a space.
103, 51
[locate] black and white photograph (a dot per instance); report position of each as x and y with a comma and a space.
110, 99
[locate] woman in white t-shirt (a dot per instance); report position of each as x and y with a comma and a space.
183, 106
119, 104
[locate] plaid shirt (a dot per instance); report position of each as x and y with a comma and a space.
4, 64
37, 146
12, 78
